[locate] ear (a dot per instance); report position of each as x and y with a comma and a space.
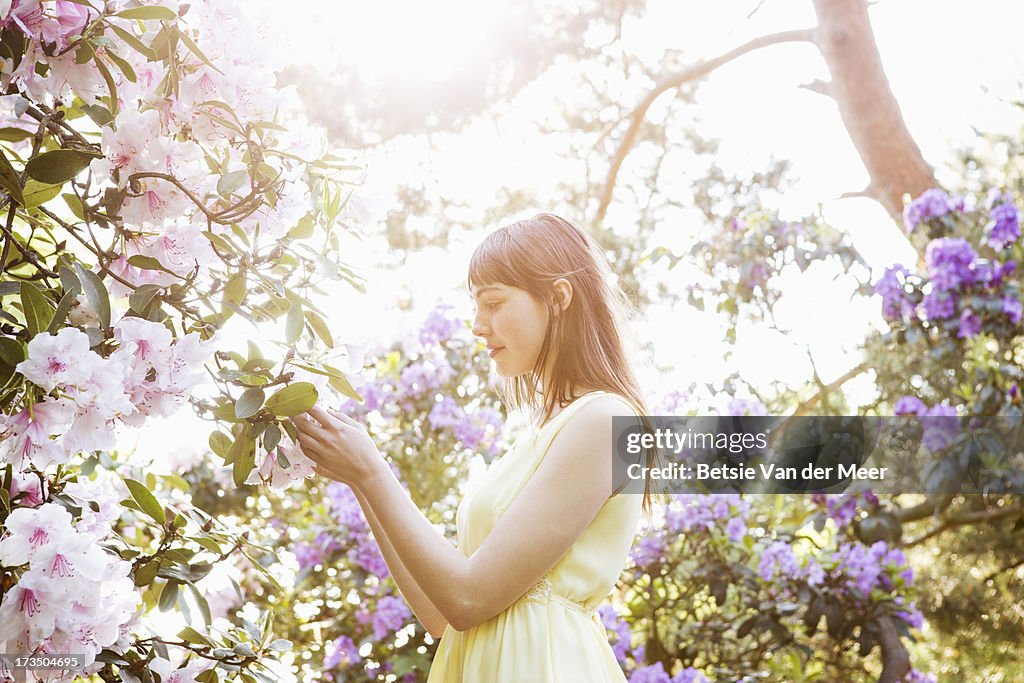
562, 294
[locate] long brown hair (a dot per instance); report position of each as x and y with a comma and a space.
584, 344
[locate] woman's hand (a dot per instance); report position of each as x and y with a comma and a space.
340, 447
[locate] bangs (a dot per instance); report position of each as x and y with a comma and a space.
492, 261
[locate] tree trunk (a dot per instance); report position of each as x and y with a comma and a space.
867, 106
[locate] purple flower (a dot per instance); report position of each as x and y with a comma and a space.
445, 413
736, 528
367, 555
345, 507
930, 204
891, 287
307, 555
1012, 308
690, 675
1004, 229
940, 427
871, 567
623, 633
327, 543
910, 405
655, 673
745, 406
648, 550
340, 647
938, 305
949, 262
915, 676
439, 326
390, 616
778, 560
970, 324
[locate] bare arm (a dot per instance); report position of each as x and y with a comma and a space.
535, 532
429, 616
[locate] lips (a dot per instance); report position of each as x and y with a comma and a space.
493, 350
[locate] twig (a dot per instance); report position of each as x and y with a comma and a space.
694, 72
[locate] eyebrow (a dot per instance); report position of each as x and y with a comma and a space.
488, 288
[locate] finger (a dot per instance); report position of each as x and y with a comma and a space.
343, 417
305, 424
322, 416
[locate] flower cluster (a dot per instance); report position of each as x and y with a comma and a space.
939, 423
150, 373
655, 673
959, 283
72, 597
875, 567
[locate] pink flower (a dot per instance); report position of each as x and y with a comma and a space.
29, 530
57, 359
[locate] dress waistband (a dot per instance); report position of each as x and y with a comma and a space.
542, 592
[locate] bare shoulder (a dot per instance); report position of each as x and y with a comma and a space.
595, 417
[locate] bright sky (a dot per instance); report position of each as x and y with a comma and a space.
951, 67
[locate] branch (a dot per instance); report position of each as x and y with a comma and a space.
895, 659
804, 407
691, 73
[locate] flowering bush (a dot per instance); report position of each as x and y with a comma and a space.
152, 189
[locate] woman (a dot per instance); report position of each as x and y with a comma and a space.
543, 537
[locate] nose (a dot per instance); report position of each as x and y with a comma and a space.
479, 329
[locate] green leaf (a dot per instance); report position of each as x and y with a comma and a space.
60, 165
146, 500
293, 323
234, 293
220, 242
100, 115
197, 52
140, 300
169, 595
129, 38
148, 13
123, 65
319, 326
271, 437
297, 397
111, 85
337, 379
220, 443
10, 134
10, 180
204, 606
341, 383
37, 193
145, 574
11, 351
150, 263
75, 204
230, 183
96, 293
38, 310
243, 457
303, 229
61, 314
190, 635
249, 403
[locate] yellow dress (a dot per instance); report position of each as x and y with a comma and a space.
552, 634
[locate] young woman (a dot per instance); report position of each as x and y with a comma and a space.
543, 537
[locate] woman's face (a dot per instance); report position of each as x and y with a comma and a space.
512, 322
